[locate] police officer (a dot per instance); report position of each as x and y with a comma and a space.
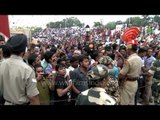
129, 75
17, 79
96, 95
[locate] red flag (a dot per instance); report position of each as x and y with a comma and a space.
4, 25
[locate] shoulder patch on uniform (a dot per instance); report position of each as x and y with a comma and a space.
158, 68
158, 84
34, 80
85, 93
104, 99
95, 100
108, 100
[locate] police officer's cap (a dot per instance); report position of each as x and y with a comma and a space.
18, 42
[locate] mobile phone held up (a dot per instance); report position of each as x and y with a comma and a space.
45, 75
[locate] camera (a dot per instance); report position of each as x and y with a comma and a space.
45, 75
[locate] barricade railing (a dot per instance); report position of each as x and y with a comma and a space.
137, 93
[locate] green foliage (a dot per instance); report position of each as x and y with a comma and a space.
147, 20
135, 21
119, 22
157, 19
68, 22
111, 25
35, 29
97, 24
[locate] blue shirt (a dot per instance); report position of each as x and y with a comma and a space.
48, 69
116, 72
80, 80
148, 61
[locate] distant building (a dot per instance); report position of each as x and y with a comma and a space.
119, 27
27, 32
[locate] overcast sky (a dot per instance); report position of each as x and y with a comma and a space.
41, 20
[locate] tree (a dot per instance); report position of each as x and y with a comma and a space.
97, 24
57, 24
111, 25
35, 29
68, 22
119, 22
129, 21
135, 21
146, 20
73, 21
145, 16
157, 19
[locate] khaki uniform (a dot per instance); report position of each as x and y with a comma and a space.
17, 81
131, 68
1, 56
1, 61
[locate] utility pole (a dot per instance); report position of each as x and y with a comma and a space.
65, 23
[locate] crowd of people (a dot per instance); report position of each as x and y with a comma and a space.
72, 67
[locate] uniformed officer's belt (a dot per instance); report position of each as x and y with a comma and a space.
17, 104
132, 78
